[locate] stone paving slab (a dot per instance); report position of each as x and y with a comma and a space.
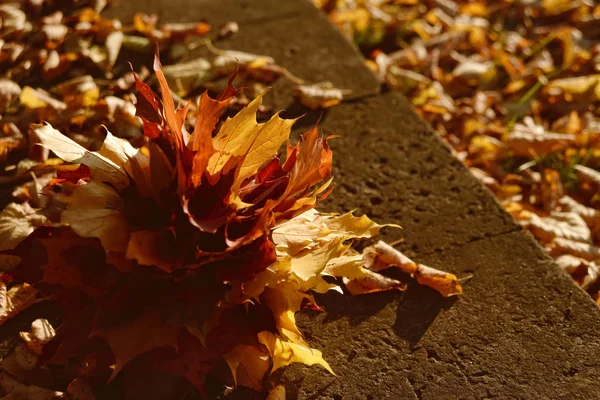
521, 330
271, 28
390, 165
216, 12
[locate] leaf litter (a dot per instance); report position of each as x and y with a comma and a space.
514, 88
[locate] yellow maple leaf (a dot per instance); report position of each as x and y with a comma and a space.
284, 353
248, 365
242, 136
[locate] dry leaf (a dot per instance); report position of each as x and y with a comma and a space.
527, 139
9, 91
185, 77
17, 221
579, 249
38, 98
248, 366
138, 337
579, 85
590, 215
588, 175
95, 210
101, 168
586, 273
41, 332
15, 300
242, 136
567, 225
319, 95
482, 72
371, 282
284, 353
382, 256
228, 29
228, 61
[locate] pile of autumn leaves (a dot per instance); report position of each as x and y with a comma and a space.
195, 249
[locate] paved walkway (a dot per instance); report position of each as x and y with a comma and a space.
521, 330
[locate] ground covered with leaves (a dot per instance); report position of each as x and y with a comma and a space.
514, 88
176, 234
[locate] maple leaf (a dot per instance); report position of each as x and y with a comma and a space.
16, 299
284, 353
285, 300
17, 221
130, 160
45, 257
101, 168
256, 144
312, 228
95, 210
590, 215
138, 337
248, 365
309, 163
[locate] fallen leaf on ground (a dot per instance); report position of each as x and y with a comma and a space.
586, 251
17, 221
285, 353
372, 282
248, 366
566, 225
319, 95
41, 332
382, 256
16, 299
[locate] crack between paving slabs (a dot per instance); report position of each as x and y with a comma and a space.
458, 244
280, 17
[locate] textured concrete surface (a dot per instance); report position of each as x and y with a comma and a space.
522, 329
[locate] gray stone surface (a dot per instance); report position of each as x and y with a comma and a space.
522, 329
391, 166
271, 28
